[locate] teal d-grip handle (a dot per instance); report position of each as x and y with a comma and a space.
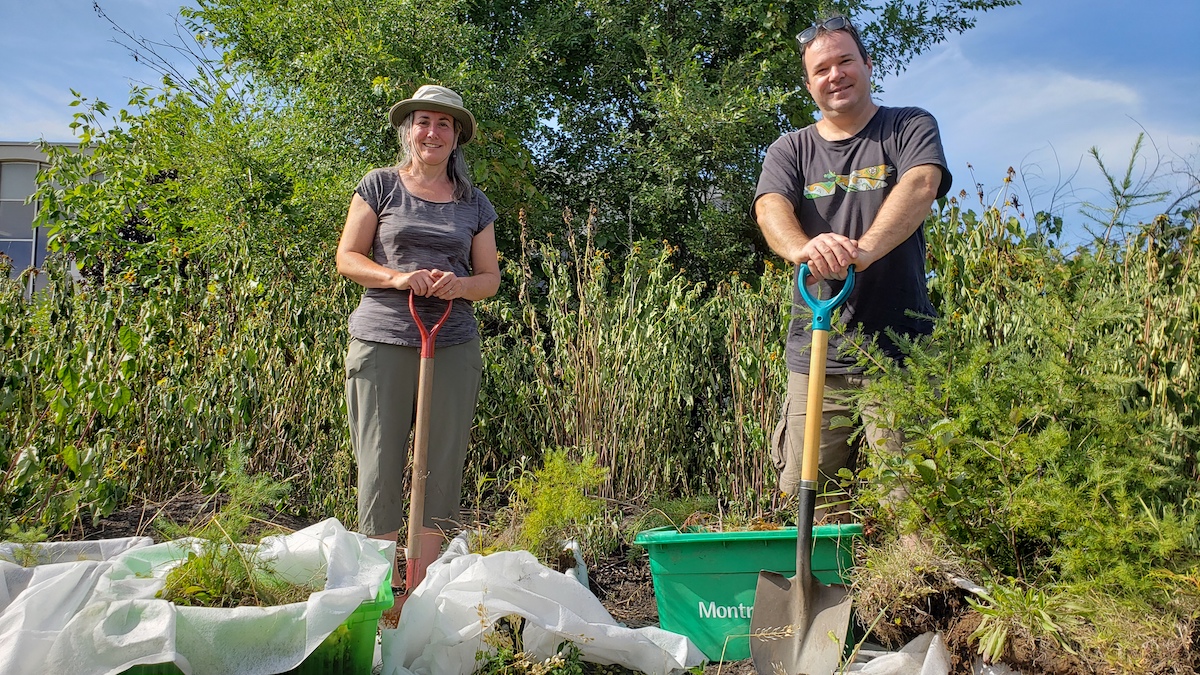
823, 309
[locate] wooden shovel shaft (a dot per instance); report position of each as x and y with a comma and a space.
420, 471
815, 414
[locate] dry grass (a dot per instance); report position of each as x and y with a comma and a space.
903, 589
1120, 637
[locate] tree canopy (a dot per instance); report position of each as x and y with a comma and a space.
657, 113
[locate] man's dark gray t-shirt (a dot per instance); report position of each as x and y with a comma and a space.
414, 234
838, 186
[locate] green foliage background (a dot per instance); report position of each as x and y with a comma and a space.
655, 113
1052, 420
1054, 425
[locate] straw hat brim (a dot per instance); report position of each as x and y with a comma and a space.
402, 109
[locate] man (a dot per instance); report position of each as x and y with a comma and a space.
851, 189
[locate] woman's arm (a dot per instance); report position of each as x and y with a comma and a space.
485, 271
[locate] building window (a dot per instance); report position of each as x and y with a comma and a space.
18, 239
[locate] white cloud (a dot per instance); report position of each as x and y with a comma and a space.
988, 98
1042, 122
33, 111
1057, 93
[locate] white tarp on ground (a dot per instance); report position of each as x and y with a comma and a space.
464, 594
924, 655
37, 601
123, 624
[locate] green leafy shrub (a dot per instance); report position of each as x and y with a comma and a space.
1029, 446
1046, 441
554, 504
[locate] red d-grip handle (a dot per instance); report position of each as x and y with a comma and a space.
427, 336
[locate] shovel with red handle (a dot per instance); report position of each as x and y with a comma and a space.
414, 572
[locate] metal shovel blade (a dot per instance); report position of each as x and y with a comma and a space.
798, 626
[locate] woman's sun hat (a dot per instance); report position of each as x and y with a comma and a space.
440, 99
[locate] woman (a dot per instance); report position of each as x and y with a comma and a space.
417, 228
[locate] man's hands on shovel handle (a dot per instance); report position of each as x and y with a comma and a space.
828, 256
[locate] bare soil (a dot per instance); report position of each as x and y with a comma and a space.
187, 509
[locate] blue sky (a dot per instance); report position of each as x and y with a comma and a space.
1032, 86
1035, 86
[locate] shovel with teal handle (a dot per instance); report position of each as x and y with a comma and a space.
799, 624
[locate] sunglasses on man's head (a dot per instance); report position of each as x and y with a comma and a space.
831, 24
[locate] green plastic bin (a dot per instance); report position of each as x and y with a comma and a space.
350, 649
704, 581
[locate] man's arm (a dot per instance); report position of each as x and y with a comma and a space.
827, 254
905, 208
777, 219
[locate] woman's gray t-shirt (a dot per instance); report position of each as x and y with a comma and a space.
414, 234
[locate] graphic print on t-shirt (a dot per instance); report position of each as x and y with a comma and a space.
859, 180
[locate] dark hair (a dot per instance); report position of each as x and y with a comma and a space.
456, 167
819, 25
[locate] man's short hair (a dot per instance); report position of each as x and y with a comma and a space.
819, 24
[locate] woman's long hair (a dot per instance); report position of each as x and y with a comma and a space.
456, 167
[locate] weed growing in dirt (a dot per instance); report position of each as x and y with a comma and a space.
1010, 610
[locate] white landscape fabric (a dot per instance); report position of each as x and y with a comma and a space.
924, 655
37, 601
464, 594
123, 624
